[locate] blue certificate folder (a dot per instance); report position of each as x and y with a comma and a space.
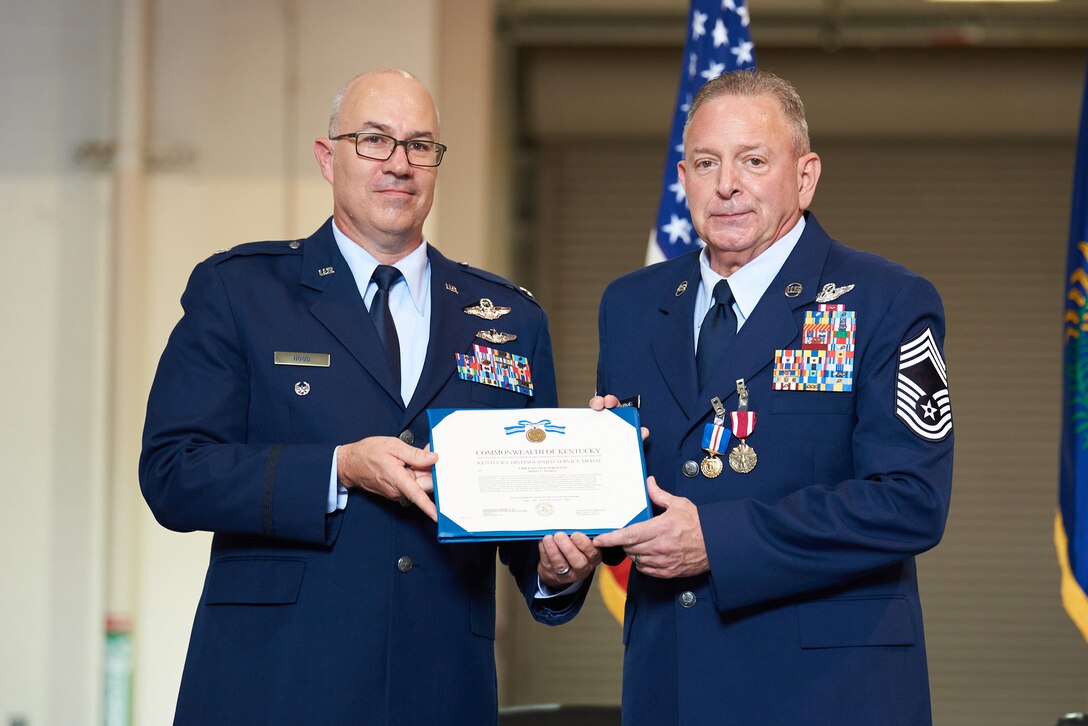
519, 426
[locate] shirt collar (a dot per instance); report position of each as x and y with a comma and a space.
414, 267
750, 281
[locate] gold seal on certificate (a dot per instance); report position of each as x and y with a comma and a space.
535, 434
742, 459
711, 466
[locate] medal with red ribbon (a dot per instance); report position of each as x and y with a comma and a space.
742, 459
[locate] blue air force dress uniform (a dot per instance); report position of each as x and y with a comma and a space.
354, 617
810, 612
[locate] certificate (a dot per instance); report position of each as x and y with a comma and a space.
525, 473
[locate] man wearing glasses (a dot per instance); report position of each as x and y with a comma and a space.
287, 417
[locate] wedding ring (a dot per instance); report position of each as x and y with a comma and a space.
638, 560
564, 571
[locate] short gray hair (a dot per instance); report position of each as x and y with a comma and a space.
751, 82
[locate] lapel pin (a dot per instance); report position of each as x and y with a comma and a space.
325, 271
302, 388
681, 287
794, 289
452, 288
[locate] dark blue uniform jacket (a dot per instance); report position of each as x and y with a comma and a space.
361, 616
810, 613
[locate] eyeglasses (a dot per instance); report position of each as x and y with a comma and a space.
380, 147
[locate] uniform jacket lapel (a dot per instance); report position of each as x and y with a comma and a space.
451, 331
773, 324
340, 308
672, 334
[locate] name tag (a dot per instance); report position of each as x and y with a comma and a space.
289, 358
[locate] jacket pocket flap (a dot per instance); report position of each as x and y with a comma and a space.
856, 622
254, 581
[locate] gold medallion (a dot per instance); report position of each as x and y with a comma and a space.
711, 466
743, 459
536, 435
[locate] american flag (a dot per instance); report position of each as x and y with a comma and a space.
718, 42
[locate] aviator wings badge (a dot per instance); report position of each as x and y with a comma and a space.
486, 309
831, 292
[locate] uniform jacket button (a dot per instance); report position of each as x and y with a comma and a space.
687, 598
691, 468
407, 436
404, 564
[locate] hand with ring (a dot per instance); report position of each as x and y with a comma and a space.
566, 559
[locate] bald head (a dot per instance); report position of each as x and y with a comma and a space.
365, 82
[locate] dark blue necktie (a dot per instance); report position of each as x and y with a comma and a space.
385, 277
716, 334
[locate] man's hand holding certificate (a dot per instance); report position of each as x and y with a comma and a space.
527, 473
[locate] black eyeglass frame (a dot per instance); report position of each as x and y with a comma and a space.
396, 142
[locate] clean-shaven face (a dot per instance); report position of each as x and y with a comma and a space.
745, 185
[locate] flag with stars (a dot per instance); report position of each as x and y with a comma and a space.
718, 41
1071, 522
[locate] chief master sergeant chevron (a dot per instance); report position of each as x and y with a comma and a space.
286, 417
800, 432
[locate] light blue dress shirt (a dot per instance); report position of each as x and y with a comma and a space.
410, 304
748, 283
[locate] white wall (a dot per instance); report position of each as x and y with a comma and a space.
228, 97
239, 92
57, 92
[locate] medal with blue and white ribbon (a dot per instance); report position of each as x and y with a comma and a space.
714, 440
742, 459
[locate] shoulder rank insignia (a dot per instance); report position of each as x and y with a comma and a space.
831, 292
494, 336
486, 309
